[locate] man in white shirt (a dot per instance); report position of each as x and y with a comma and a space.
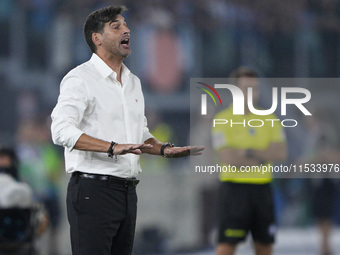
99, 119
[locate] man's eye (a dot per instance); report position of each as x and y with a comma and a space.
116, 27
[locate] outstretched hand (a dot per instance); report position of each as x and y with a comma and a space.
122, 149
178, 152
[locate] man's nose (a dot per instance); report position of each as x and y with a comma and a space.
126, 30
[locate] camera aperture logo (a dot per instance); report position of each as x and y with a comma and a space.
239, 104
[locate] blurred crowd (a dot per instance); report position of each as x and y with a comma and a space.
268, 34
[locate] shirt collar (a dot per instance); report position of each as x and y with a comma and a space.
105, 70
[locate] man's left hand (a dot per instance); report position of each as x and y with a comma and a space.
178, 152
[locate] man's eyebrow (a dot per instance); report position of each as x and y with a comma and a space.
114, 21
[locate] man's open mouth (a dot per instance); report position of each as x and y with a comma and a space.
125, 42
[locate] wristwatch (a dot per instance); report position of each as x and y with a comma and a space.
166, 145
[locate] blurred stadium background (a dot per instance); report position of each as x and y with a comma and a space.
172, 41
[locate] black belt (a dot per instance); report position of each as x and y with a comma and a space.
114, 179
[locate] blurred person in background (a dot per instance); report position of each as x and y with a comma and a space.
41, 169
13, 193
246, 199
17, 195
321, 148
99, 119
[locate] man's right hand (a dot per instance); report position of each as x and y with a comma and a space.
88, 143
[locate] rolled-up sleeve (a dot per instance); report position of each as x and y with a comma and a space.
146, 132
69, 111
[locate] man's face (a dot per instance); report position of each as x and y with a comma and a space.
249, 82
116, 38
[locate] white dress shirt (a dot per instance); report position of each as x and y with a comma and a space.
94, 102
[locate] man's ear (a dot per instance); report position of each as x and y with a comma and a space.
97, 39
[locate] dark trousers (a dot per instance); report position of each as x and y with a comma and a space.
102, 216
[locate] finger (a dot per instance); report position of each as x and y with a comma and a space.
141, 146
134, 147
136, 152
197, 148
196, 154
146, 146
194, 150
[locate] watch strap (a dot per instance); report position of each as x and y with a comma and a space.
166, 145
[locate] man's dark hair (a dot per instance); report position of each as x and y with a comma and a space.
10, 153
95, 22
